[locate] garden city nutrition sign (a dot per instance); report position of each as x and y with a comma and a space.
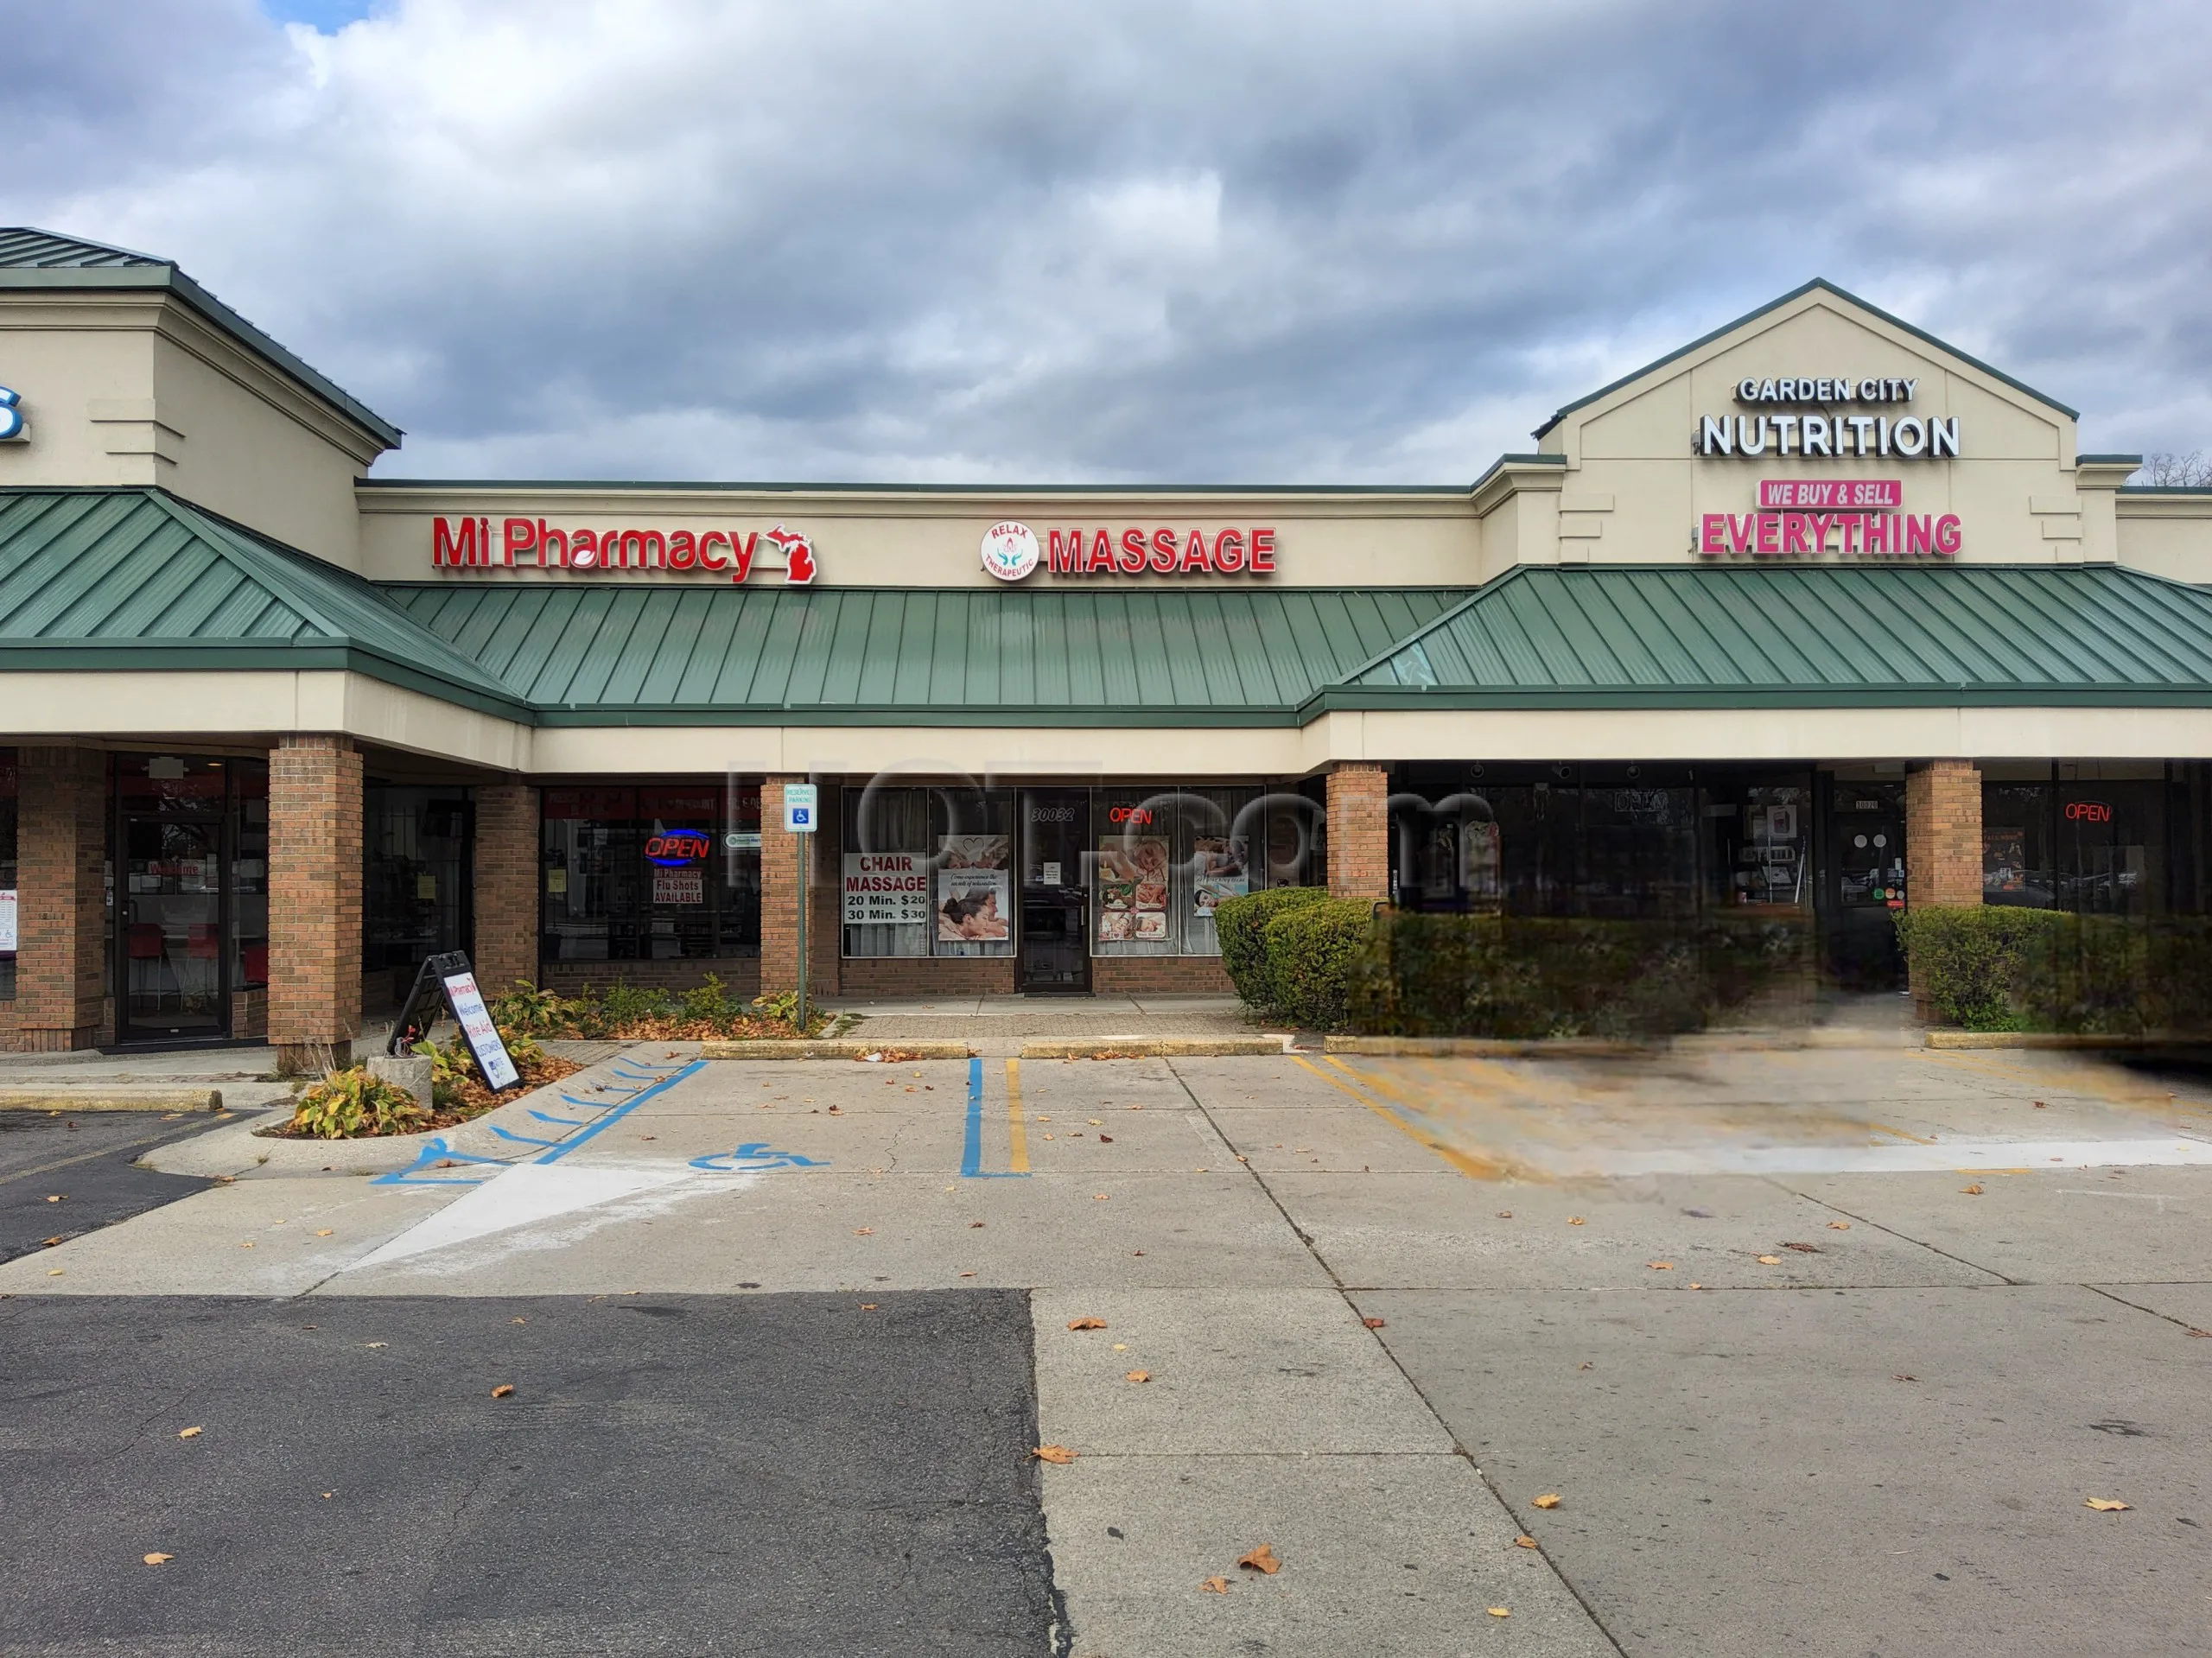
1829, 419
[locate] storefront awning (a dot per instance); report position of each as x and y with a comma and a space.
1804, 636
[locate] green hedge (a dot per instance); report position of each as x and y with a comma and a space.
1537, 977
1330, 964
2000, 968
1315, 953
1240, 923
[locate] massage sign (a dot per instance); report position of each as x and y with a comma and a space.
1012, 551
531, 543
1821, 423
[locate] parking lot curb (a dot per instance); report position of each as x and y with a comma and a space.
2033, 1039
1155, 1047
93, 1097
799, 1048
1483, 1047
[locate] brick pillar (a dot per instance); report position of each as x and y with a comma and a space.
61, 918
506, 887
315, 902
828, 914
1942, 833
1359, 830
779, 893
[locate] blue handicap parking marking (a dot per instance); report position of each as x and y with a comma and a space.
437, 1153
753, 1158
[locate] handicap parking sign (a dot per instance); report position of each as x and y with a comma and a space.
798, 808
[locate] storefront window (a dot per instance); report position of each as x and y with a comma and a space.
193, 839
6, 874
2111, 836
927, 871
1758, 841
1563, 840
1163, 858
651, 873
2016, 843
417, 865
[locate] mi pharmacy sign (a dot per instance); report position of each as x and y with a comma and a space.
1824, 427
531, 543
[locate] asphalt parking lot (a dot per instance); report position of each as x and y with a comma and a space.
1822, 1352
63, 1175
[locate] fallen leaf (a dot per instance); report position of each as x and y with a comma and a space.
1586, 1365
1053, 1453
159, 1559
1499, 1612
2040, 1106
1770, 1261
49, 1242
1093, 1121
248, 1244
2206, 1333
55, 1198
1086, 1323
1803, 1248
327, 1496
1505, 1214
376, 1344
1838, 1226
1549, 1500
863, 1231
519, 1321
1216, 1586
1121, 1347
1099, 1197
1139, 1376
1374, 1324
1574, 1220
189, 1433
967, 1275
867, 1306
1904, 1375
1105, 1140
2105, 1504
1524, 1541
1695, 1285
1262, 1559
972, 1226
1974, 1190
1660, 1265
56, 1272
324, 1233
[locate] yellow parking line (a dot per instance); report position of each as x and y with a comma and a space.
1474, 1168
1017, 1137
1885, 1128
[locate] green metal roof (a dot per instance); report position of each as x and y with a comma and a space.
869, 656
36, 258
134, 580
1690, 636
117, 579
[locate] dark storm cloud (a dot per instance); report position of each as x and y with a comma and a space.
1282, 242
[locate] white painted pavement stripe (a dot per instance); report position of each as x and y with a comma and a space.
527, 1194
2177, 1151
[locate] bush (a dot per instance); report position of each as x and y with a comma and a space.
1315, 953
1522, 977
631, 1012
348, 1104
1240, 923
1998, 968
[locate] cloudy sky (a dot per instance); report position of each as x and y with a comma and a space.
1258, 240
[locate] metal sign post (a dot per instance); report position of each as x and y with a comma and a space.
800, 803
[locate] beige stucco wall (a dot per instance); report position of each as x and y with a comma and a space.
128, 388
256, 707
924, 539
2169, 536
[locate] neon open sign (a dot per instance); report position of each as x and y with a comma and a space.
2088, 811
675, 848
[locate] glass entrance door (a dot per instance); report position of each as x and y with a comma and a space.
170, 918
1866, 842
1055, 938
